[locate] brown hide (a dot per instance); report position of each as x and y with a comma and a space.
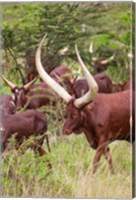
60, 71
104, 85
38, 95
104, 120
64, 77
99, 66
35, 97
7, 102
24, 124
123, 86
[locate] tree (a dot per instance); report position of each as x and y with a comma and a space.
106, 24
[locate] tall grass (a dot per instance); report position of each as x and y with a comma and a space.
25, 174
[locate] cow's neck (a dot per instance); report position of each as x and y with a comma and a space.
88, 130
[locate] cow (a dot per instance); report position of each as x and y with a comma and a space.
103, 118
63, 75
123, 86
19, 93
7, 102
80, 86
24, 125
99, 64
33, 96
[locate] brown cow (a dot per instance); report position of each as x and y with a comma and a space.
99, 64
123, 86
7, 102
80, 86
33, 96
24, 125
103, 118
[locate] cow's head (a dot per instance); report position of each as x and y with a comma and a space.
7, 104
99, 65
19, 93
74, 119
74, 105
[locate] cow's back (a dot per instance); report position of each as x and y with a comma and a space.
104, 83
24, 124
111, 112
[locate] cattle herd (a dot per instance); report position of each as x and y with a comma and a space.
95, 106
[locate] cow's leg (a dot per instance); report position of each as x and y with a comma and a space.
47, 141
42, 152
40, 142
100, 150
3, 147
109, 159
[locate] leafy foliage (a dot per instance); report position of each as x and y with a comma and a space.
106, 24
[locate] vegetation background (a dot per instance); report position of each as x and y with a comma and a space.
109, 26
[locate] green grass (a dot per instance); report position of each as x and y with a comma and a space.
26, 175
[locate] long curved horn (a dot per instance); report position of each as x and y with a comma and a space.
107, 60
47, 79
28, 85
93, 87
10, 84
